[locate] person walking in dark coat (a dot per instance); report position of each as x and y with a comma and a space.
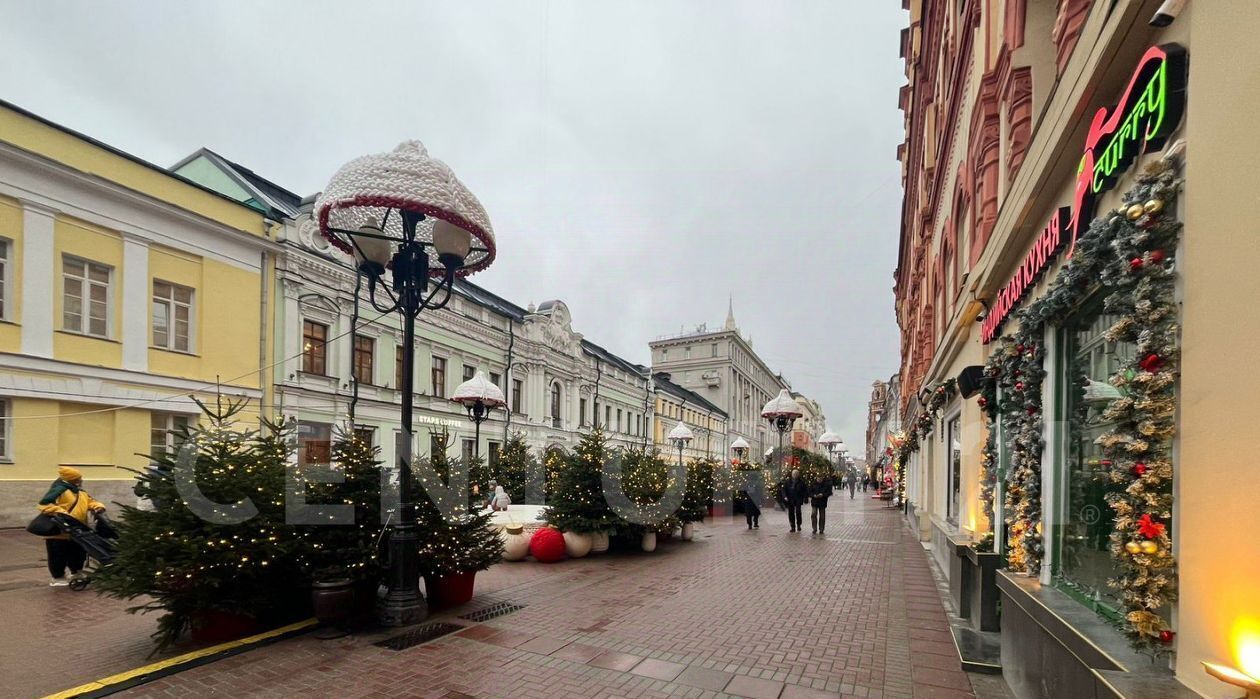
866, 481
753, 493
851, 481
818, 494
795, 491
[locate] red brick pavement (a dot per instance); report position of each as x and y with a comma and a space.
734, 613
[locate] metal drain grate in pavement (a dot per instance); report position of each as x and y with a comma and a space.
493, 611
418, 635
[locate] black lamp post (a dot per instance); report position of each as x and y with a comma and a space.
405, 213
479, 397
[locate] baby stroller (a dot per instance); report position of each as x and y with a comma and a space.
98, 544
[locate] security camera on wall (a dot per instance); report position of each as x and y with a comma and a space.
1168, 12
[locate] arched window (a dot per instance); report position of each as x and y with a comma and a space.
555, 404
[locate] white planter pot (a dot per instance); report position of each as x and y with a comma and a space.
688, 531
515, 543
577, 545
649, 542
599, 542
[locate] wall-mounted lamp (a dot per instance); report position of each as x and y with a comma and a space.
1229, 675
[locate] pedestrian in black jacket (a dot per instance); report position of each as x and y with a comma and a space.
819, 491
795, 491
753, 493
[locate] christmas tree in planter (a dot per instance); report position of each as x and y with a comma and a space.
514, 468
456, 540
209, 566
348, 551
576, 502
702, 475
646, 479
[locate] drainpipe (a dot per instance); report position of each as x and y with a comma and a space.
507, 381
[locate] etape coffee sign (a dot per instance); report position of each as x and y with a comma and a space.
1149, 110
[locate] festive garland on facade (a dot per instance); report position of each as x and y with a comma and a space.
1128, 252
907, 443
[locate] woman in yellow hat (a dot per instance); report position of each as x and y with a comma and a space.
67, 496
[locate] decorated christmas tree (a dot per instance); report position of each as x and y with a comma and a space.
339, 549
215, 539
454, 536
645, 479
577, 502
514, 467
701, 489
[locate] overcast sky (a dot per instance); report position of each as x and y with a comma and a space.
641, 160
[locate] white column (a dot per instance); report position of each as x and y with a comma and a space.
135, 303
40, 280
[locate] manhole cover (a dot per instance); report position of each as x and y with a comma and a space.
418, 635
493, 611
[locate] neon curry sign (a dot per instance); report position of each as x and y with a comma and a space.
1148, 112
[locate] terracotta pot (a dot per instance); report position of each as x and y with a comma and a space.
452, 590
515, 543
577, 544
332, 600
599, 542
688, 531
218, 626
649, 541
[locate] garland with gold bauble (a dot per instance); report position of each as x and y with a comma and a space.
1128, 252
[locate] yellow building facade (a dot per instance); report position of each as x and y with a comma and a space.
126, 292
707, 422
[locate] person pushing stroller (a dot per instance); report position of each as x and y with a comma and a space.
66, 496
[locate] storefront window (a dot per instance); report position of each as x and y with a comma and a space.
1085, 562
954, 470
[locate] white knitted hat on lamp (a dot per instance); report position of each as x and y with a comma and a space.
367, 190
781, 405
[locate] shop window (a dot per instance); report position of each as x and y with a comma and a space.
953, 470
493, 454
314, 442
1084, 561
437, 444
467, 450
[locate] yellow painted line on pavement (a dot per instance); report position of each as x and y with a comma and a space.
186, 658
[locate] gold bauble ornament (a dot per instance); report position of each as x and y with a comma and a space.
1149, 546
1153, 206
1134, 212
1133, 547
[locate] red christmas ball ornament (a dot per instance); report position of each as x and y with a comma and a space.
1019, 348
1167, 635
547, 545
982, 401
1019, 385
1032, 411
1135, 264
1151, 363
1139, 469
1157, 256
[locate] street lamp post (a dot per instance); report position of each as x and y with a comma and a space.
832, 442
408, 213
680, 436
781, 411
479, 397
740, 449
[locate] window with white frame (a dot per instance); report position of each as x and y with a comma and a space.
5, 247
172, 316
5, 414
166, 432
86, 294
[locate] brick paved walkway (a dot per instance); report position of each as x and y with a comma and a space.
734, 613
